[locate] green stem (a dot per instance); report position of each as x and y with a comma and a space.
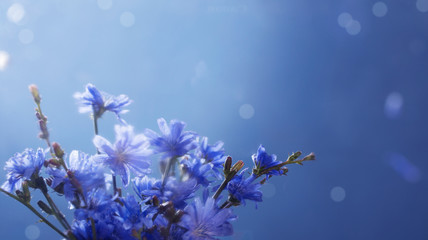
57, 213
94, 230
165, 175
35, 212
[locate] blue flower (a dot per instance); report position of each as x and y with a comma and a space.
83, 176
132, 215
21, 167
198, 169
174, 142
213, 154
240, 189
97, 102
266, 164
129, 152
176, 191
206, 221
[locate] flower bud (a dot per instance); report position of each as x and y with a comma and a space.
227, 165
45, 207
57, 149
35, 92
237, 166
311, 156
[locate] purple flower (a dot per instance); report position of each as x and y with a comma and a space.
206, 221
97, 102
129, 152
21, 167
173, 141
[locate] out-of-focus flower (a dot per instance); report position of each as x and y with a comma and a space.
206, 221
83, 176
21, 167
197, 169
173, 141
129, 152
98, 102
213, 154
175, 191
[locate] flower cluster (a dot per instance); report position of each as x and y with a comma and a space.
184, 203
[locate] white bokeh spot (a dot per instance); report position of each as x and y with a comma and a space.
4, 60
246, 111
32, 232
422, 5
337, 194
344, 19
127, 19
353, 28
26, 36
379, 9
393, 105
15, 13
105, 4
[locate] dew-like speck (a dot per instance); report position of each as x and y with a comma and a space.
4, 60
15, 13
105, 4
127, 19
246, 111
337, 194
344, 19
379, 9
422, 5
32, 232
353, 28
393, 105
25, 36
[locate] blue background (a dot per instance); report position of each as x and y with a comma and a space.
357, 97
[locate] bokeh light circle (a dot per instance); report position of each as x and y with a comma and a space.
379, 9
32, 232
344, 19
127, 19
422, 5
337, 194
246, 111
353, 28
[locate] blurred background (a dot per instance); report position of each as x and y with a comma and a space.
347, 80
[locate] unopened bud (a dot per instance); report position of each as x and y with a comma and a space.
227, 165
45, 207
40, 184
155, 200
294, 156
35, 92
44, 134
27, 194
57, 149
237, 166
311, 156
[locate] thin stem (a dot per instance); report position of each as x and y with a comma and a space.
35, 212
95, 124
57, 212
165, 175
221, 188
94, 230
113, 177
